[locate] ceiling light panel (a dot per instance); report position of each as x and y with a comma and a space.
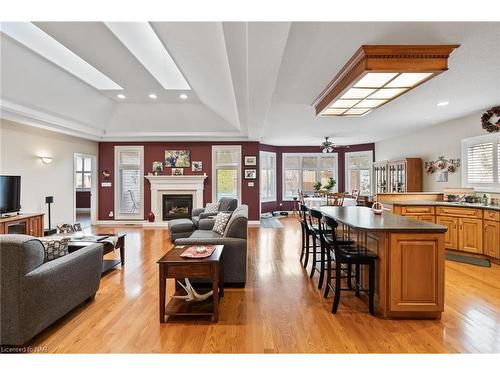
377, 74
334, 111
408, 79
144, 44
43, 44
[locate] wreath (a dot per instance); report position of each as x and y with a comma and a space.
487, 116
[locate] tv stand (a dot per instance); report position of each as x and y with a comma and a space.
31, 224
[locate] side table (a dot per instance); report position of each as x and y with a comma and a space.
172, 265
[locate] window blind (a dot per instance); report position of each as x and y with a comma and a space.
480, 163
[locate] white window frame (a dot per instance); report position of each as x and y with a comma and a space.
83, 171
215, 148
140, 214
272, 196
493, 138
318, 169
348, 188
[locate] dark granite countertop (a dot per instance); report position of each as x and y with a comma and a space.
441, 203
364, 219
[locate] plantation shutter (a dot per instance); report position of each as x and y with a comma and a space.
480, 163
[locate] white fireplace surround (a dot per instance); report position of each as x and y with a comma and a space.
163, 184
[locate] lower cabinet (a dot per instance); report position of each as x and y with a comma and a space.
491, 238
470, 235
451, 235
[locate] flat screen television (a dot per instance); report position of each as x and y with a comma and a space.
10, 194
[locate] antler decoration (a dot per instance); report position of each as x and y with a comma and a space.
192, 295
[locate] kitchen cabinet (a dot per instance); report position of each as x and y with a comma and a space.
491, 238
451, 235
470, 235
398, 176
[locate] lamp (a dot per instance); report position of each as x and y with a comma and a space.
49, 200
46, 159
377, 74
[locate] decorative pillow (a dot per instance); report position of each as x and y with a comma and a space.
212, 207
55, 247
221, 220
65, 228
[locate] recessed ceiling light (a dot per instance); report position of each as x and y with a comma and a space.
152, 96
43, 44
183, 96
121, 96
142, 41
442, 104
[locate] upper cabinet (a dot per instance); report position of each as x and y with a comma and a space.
398, 176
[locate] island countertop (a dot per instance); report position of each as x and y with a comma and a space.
362, 218
441, 203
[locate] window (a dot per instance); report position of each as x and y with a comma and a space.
301, 171
83, 172
358, 171
267, 176
129, 182
481, 162
226, 172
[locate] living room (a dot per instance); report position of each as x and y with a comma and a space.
237, 184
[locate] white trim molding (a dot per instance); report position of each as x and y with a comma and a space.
189, 184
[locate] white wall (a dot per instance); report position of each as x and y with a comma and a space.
431, 142
20, 148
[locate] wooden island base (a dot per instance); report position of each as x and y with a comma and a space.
410, 264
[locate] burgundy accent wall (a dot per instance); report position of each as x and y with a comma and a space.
83, 199
280, 204
153, 151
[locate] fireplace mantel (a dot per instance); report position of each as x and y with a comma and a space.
163, 184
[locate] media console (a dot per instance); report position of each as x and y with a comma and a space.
31, 224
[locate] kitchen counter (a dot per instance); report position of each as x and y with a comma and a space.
441, 203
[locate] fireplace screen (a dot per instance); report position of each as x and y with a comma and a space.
177, 206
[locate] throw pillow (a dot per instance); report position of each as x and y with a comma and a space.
55, 247
221, 220
212, 207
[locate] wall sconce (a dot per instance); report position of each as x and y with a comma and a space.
46, 159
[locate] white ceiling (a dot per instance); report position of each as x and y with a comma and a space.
252, 81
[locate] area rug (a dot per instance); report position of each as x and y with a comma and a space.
271, 222
455, 257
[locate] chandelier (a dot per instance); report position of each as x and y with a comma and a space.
327, 146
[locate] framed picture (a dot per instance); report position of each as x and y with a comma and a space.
197, 166
250, 174
177, 171
250, 160
177, 159
442, 176
157, 167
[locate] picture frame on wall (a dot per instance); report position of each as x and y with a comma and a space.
250, 174
250, 161
177, 171
177, 158
197, 166
157, 168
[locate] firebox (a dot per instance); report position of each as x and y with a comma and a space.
177, 206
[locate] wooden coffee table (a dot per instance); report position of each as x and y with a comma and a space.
107, 264
172, 265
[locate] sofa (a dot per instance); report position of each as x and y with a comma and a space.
226, 204
234, 240
34, 294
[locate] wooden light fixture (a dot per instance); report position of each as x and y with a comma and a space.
377, 74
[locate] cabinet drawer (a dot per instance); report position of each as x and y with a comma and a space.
189, 270
417, 210
492, 215
460, 212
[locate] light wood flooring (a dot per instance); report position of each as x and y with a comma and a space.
280, 310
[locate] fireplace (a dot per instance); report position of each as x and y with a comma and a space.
177, 206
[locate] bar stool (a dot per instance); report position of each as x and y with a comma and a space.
307, 233
338, 255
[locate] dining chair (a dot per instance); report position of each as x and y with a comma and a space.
335, 199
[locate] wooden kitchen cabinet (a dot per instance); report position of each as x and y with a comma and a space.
470, 235
491, 238
451, 235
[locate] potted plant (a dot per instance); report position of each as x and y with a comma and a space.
317, 186
330, 184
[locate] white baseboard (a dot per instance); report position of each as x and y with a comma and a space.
147, 224
254, 223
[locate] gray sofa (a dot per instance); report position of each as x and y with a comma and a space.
226, 204
234, 240
34, 294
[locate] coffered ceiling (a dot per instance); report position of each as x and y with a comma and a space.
253, 81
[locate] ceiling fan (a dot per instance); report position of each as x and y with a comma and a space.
328, 146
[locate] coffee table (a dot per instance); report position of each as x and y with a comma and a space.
107, 264
172, 265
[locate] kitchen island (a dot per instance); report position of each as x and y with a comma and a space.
410, 264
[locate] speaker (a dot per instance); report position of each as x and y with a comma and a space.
49, 199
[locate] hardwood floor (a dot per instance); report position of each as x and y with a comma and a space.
279, 311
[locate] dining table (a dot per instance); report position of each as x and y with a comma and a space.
316, 202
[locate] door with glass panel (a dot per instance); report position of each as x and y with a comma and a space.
129, 182
226, 172
359, 171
